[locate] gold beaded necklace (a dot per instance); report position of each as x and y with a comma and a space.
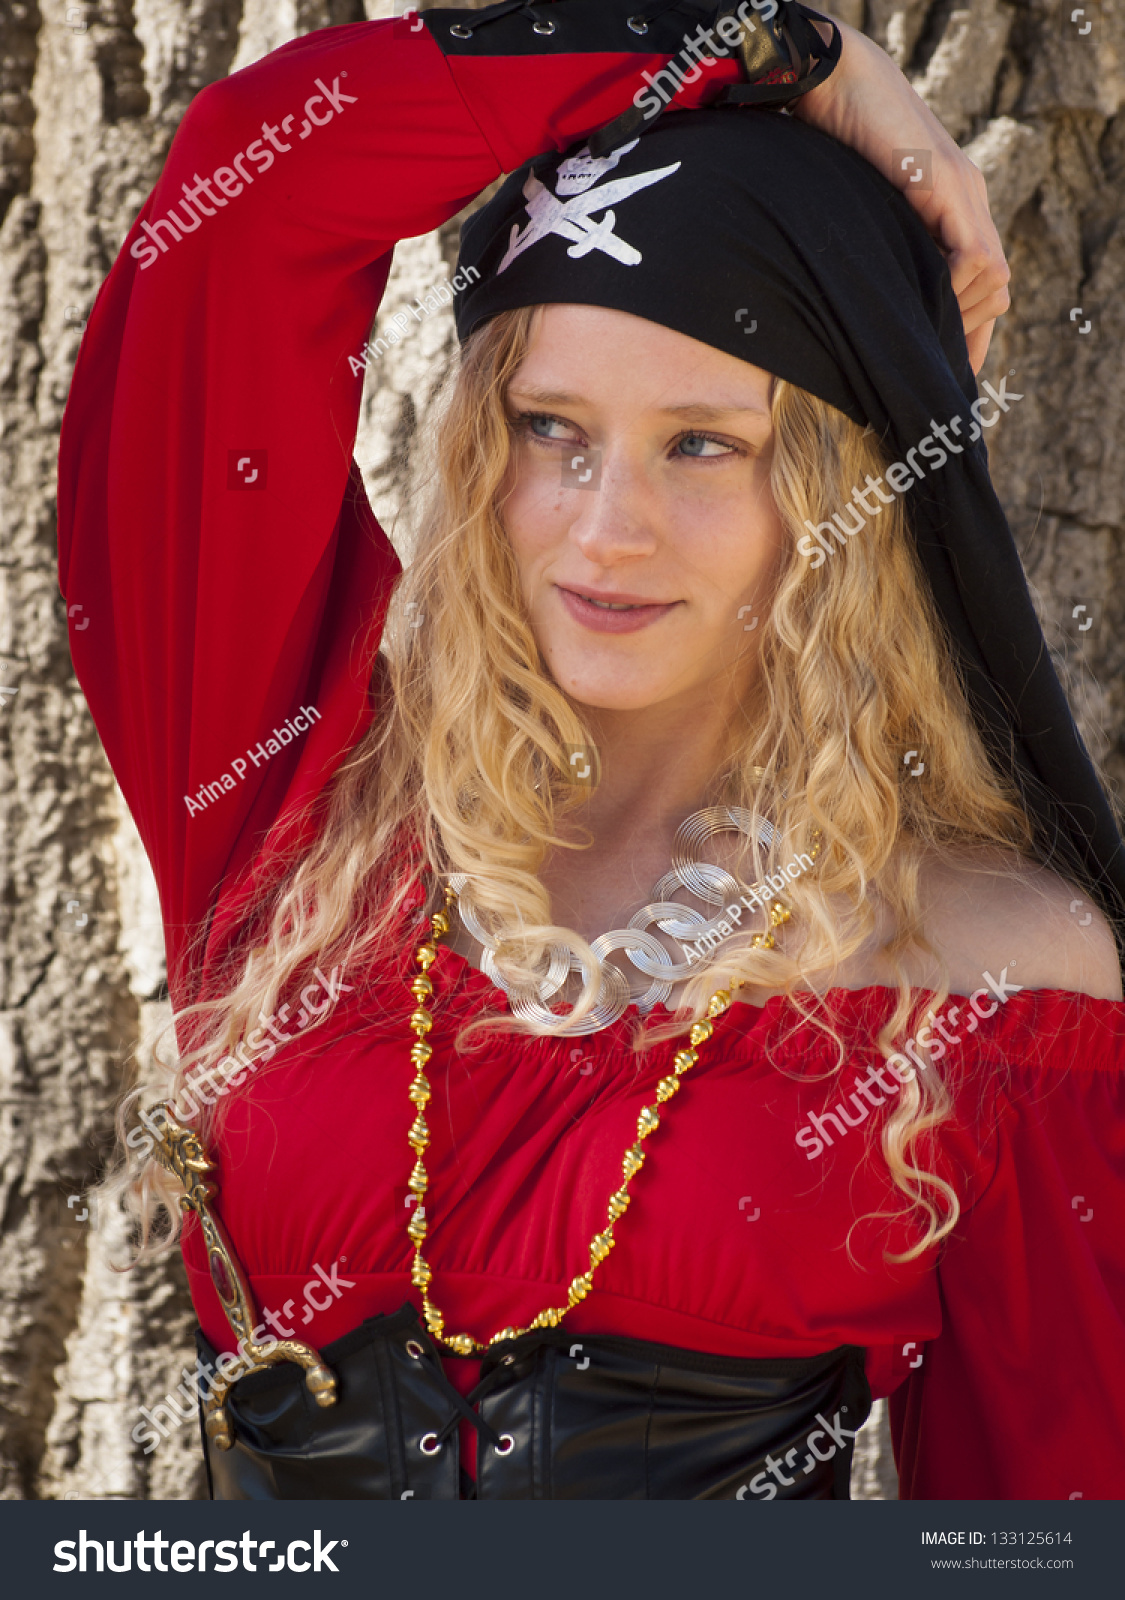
463, 1344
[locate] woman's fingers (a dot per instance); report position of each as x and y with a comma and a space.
959, 219
975, 279
958, 216
978, 343
988, 307
868, 104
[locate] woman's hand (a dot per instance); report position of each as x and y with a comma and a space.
868, 104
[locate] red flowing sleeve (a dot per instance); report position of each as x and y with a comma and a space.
225, 578
1022, 1397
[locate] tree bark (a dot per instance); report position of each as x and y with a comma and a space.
90, 96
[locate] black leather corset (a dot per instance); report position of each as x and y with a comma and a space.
617, 1419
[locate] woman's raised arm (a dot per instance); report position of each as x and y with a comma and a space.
215, 539
213, 529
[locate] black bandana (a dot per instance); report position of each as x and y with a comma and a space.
752, 232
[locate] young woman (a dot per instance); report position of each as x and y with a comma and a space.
645, 975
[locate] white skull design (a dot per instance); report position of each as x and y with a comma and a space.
579, 173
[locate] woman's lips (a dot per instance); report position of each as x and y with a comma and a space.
600, 619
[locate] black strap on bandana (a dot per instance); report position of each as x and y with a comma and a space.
765, 54
752, 232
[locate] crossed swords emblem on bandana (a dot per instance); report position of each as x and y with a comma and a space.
570, 211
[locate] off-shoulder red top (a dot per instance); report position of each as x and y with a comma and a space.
208, 609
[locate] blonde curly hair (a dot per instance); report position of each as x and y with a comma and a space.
463, 769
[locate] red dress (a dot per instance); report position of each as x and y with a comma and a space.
215, 532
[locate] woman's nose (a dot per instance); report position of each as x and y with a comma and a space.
612, 503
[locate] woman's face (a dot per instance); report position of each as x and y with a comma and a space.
638, 506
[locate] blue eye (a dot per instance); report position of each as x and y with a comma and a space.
704, 439
694, 446
540, 425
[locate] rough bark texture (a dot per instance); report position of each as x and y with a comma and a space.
90, 96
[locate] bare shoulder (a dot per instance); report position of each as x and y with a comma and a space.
988, 909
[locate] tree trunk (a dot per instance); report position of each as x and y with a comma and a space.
90, 97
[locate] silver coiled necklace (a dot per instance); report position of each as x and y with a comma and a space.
713, 885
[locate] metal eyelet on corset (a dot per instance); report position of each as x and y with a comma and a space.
505, 1439
544, 27
430, 1449
459, 31
638, 24
413, 1348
